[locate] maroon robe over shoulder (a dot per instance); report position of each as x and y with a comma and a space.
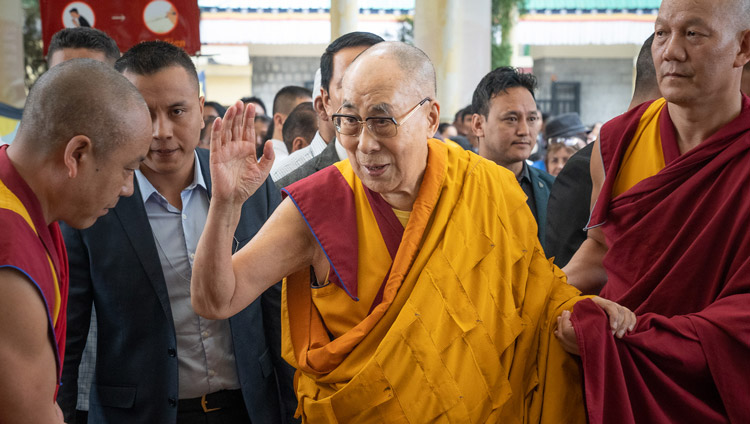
679, 257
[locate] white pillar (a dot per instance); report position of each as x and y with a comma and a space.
344, 17
12, 89
455, 35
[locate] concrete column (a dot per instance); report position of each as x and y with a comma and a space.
12, 89
456, 35
344, 17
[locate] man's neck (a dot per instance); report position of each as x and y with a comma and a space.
515, 167
171, 185
35, 173
695, 123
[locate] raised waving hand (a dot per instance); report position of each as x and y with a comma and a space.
235, 171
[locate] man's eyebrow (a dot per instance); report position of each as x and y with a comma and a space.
383, 108
696, 21
347, 105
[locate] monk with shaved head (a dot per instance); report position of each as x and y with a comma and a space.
667, 235
416, 288
84, 130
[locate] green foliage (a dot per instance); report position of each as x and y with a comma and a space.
503, 19
32, 42
406, 29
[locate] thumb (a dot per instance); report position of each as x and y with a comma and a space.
266, 161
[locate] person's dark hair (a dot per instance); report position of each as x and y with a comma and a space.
468, 110
302, 122
266, 120
84, 38
285, 99
499, 80
256, 100
352, 39
443, 126
645, 72
58, 109
220, 110
150, 57
73, 10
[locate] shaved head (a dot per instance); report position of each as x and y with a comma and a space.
646, 84
80, 97
741, 14
412, 62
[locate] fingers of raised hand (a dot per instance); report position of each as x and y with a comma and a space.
215, 142
237, 123
226, 125
248, 127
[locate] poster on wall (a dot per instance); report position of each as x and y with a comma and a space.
127, 22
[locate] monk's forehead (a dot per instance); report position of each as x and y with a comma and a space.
375, 81
702, 11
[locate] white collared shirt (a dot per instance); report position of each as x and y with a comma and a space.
280, 152
296, 159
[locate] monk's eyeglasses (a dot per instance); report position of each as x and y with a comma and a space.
379, 126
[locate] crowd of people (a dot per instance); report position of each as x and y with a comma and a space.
345, 257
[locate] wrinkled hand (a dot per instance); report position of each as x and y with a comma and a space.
621, 320
235, 171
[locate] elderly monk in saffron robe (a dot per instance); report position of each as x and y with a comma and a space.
673, 212
417, 290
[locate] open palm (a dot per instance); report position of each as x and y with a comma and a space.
235, 171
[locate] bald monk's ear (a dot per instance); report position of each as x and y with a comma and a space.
320, 108
78, 150
433, 117
743, 55
477, 124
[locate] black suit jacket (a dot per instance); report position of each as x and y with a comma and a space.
569, 207
115, 265
324, 159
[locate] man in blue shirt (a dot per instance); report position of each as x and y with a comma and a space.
156, 360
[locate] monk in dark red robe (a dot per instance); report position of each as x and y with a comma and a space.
65, 164
672, 217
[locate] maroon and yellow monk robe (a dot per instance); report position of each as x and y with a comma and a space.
679, 257
32, 247
447, 320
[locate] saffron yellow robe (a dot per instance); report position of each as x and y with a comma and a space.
463, 333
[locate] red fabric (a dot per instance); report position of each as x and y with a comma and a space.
679, 257
342, 252
26, 251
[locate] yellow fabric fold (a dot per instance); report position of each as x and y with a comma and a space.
644, 156
464, 332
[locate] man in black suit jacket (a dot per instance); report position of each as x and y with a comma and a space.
156, 361
568, 208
